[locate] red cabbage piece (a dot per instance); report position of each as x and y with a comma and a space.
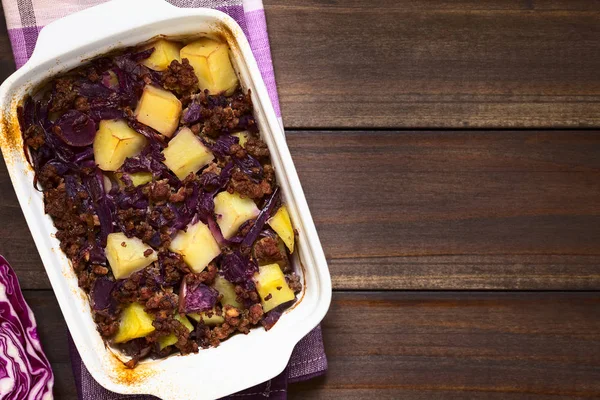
262, 218
76, 129
237, 268
25, 372
101, 293
192, 113
196, 297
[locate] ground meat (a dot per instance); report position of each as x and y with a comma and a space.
108, 323
48, 177
246, 296
173, 267
162, 301
179, 196
293, 282
237, 151
159, 191
35, 137
63, 96
180, 77
257, 148
267, 250
246, 187
219, 119
81, 104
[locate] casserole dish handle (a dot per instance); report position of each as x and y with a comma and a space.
75, 32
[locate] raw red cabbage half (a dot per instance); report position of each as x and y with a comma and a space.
25, 372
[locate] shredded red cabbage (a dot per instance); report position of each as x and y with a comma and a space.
25, 372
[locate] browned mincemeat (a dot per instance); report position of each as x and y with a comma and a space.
180, 77
35, 137
246, 187
63, 96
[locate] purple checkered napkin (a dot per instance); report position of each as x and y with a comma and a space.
25, 18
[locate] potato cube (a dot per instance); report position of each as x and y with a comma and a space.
212, 66
186, 154
171, 339
135, 323
214, 319
272, 287
242, 136
162, 56
280, 222
159, 109
232, 211
114, 142
196, 245
127, 255
226, 288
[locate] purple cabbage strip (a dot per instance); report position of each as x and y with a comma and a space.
76, 129
25, 372
237, 268
101, 293
262, 218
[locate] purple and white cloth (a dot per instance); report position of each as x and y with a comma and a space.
25, 19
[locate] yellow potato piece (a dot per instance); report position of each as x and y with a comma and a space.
126, 255
214, 319
135, 323
196, 245
281, 223
162, 56
159, 109
212, 65
114, 142
232, 211
226, 288
171, 339
186, 154
272, 287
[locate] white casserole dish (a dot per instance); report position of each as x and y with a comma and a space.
211, 373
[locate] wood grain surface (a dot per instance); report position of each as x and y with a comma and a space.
424, 345
440, 63
461, 225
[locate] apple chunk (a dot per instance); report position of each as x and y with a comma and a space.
272, 287
227, 290
186, 154
159, 109
232, 211
171, 339
164, 53
134, 323
114, 142
212, 66
127, 255
196, 245
280, 222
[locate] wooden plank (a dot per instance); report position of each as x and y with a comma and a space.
455, 210
470, 63
431, 210
421, 345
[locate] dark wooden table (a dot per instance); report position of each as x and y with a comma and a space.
450, 156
